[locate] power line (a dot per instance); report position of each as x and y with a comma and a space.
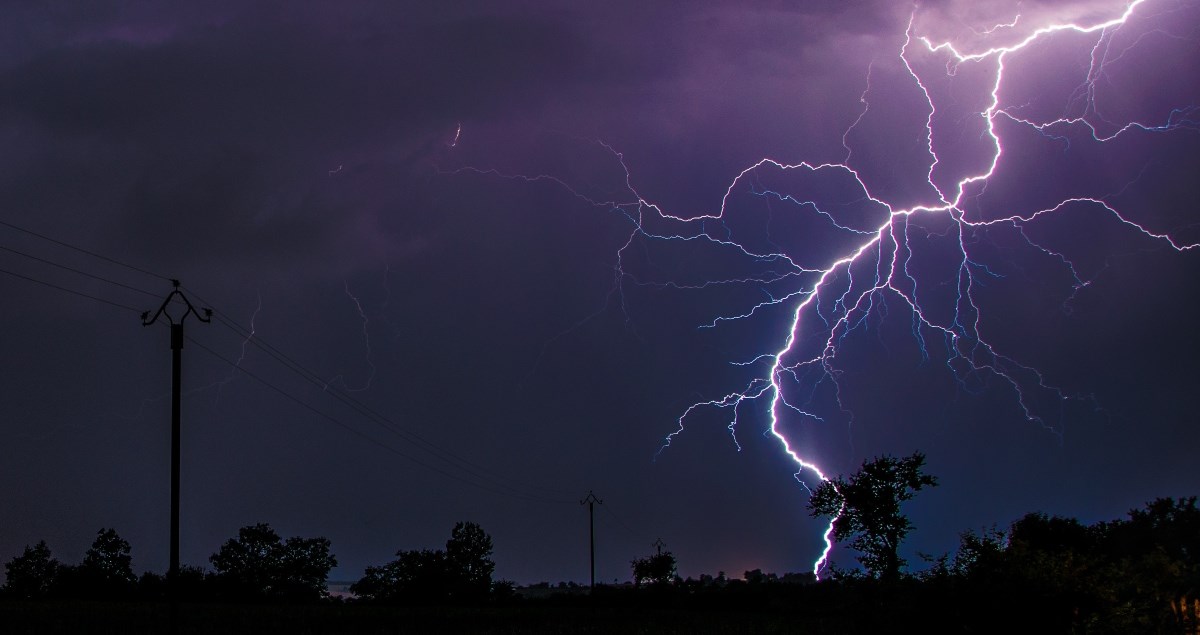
77, 271
378, 418
509, 491
360, 433
71, 291
354, 404
620, 522
518, 488
82, 250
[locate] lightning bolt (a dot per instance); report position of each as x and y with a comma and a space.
996, 27
366, 333
878, 246
220, 385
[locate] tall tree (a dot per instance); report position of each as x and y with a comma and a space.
866, 509
31, 574
303, 568
105, 573
245, 565
468, 554
108, 561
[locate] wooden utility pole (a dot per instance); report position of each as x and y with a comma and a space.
590, 501
176, 382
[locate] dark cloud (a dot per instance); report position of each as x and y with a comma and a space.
334, 175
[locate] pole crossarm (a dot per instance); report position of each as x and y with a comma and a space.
204, 314
591, 501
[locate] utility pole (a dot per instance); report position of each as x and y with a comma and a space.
590, 501
176, 381
659, 544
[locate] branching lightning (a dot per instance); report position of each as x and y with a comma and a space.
829, 297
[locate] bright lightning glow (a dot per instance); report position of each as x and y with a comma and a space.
877, 254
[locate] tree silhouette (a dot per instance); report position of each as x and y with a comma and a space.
417, 576
258, 564
866, 508
1157, 553
108, 561
1058, 565
1137, 575
105, 573
469, 562
31, 574
247, 564
980, 554
460, 573
656, 569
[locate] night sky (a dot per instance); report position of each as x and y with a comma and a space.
491, 253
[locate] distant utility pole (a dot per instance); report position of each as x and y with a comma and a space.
590, 501
659, 544
176, 349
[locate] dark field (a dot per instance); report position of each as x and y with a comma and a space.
864, 606
76, 617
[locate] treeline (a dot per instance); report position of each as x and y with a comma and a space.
256, 565
1046, 574
1139, 574
1132, 575
260, 566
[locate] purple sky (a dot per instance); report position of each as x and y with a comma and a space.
487, 226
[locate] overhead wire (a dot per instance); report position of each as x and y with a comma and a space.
77, 271
74, 270
356, 432
509, 486
82, 250
621, 523
375, 416
71, 291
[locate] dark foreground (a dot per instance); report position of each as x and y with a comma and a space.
145, 618
850, 606
810, 609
